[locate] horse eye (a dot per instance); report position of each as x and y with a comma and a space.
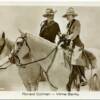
19, 43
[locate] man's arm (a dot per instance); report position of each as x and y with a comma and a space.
42, 25
58, 30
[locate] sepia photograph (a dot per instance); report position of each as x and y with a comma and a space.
53, 48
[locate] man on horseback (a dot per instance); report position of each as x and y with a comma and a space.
49, 28
73, 36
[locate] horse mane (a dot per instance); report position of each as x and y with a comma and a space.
40, 48
41, 41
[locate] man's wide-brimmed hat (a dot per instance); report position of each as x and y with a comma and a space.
70, 11
49, 12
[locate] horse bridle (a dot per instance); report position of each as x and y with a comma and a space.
21, 43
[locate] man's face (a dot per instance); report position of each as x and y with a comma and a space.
69, 17
50, 18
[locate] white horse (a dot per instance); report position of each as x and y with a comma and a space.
7, 78
30, 75
31, 54
32, 49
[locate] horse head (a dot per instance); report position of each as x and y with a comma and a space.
22, 49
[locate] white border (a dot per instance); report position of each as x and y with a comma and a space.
50, 2
50, 95
18, 95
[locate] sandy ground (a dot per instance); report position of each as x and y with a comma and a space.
11, 81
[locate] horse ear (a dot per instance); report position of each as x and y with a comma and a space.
21, 33
3, 35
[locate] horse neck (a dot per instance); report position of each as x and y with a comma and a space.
40, 47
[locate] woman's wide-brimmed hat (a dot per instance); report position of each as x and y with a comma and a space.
49, 12
70, 11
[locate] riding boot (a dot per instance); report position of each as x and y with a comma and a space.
68, 87
71, 78
83, 77
83, 81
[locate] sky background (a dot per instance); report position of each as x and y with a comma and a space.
28, 19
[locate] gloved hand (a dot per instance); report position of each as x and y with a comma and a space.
62, 38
